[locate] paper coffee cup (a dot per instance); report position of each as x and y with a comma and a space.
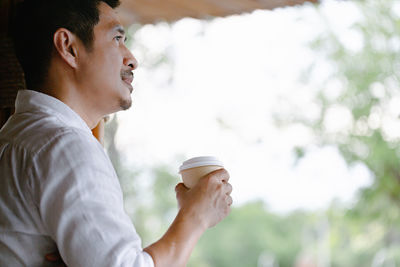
195, 168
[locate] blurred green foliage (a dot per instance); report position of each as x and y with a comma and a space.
247, 233
368, 82
370, 78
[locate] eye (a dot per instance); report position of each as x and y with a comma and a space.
118, 38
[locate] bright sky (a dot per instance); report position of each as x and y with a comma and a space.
223, 81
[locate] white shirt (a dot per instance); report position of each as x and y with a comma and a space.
58, 190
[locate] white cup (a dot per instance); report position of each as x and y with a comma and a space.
192, 170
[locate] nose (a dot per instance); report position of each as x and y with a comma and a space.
130, 60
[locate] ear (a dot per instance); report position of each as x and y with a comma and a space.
66, 45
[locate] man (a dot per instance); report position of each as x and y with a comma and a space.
58, 190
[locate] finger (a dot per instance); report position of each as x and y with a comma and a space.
180, 187
228, 188
229, 200
221, 175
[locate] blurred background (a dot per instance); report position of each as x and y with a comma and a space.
301, 103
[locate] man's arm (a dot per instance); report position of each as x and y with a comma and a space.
209, 202
201, 207
81, 206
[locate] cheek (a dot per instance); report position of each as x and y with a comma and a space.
111, 57
101, 68
109, 65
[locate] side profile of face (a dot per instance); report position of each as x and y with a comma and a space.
105, 72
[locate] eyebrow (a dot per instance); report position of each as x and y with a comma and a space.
119, 29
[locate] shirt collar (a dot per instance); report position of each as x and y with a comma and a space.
30, 101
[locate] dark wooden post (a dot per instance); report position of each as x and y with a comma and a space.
11, 74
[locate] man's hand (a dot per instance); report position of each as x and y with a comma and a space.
200, 207
56, 258
209, 201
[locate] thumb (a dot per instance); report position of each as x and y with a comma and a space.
181, 188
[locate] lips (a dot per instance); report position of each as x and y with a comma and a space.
127, 77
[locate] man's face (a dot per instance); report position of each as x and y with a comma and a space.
105, 72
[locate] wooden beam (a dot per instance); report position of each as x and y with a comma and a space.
150, 11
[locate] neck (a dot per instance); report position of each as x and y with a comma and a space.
69, 94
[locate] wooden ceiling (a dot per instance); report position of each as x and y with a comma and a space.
152, 11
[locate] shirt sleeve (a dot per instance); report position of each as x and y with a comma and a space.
81, 205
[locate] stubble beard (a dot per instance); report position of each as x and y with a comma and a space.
125, 103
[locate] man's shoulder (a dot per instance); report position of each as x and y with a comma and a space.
38, 132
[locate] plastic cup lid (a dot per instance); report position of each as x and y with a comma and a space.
200, 161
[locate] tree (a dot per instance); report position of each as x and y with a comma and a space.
366, 85
249, 232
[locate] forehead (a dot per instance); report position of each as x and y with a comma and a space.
108, 18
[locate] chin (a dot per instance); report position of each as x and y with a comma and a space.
125, 103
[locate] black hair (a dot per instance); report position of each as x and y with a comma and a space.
34, 26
